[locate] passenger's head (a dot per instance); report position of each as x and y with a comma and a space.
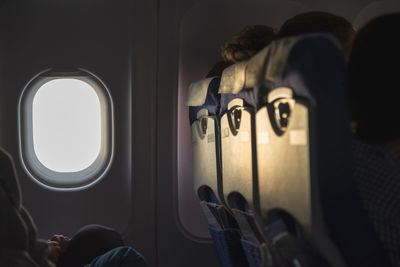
218, 68
374, 83
247, 43
318, 21
88, 243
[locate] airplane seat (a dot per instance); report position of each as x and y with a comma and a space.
253, 243
237, 138
312, 163
292, 165
238, 159
289, 207
204, 104
19, 246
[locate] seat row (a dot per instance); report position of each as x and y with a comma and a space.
271, 161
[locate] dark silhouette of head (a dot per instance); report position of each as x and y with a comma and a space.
323, 22
218, 68
247, 43
89, 242
374, 69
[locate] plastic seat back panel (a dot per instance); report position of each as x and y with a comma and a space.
284, 165
204, 145
237, 151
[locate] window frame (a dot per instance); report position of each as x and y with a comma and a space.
32, 165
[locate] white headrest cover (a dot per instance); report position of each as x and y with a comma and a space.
198, 92
233, 79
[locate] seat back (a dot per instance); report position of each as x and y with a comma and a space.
316, 70
296, 71
203, 102
239, 158
237, 138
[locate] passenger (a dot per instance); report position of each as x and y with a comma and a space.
247, 43
218, 69
318, 21
93, 245
242, 46
373, 68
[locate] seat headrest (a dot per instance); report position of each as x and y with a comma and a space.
9, 179
270, 64
233, 79
200, 90
203, 95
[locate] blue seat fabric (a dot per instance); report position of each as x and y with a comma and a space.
229, 247
226, 240
252, 253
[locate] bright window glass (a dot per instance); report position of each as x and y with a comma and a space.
66, 125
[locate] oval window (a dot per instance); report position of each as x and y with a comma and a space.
66, 125
66, 129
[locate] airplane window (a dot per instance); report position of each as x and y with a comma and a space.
66, 129
66, 125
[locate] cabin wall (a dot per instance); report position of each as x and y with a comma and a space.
101, 37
